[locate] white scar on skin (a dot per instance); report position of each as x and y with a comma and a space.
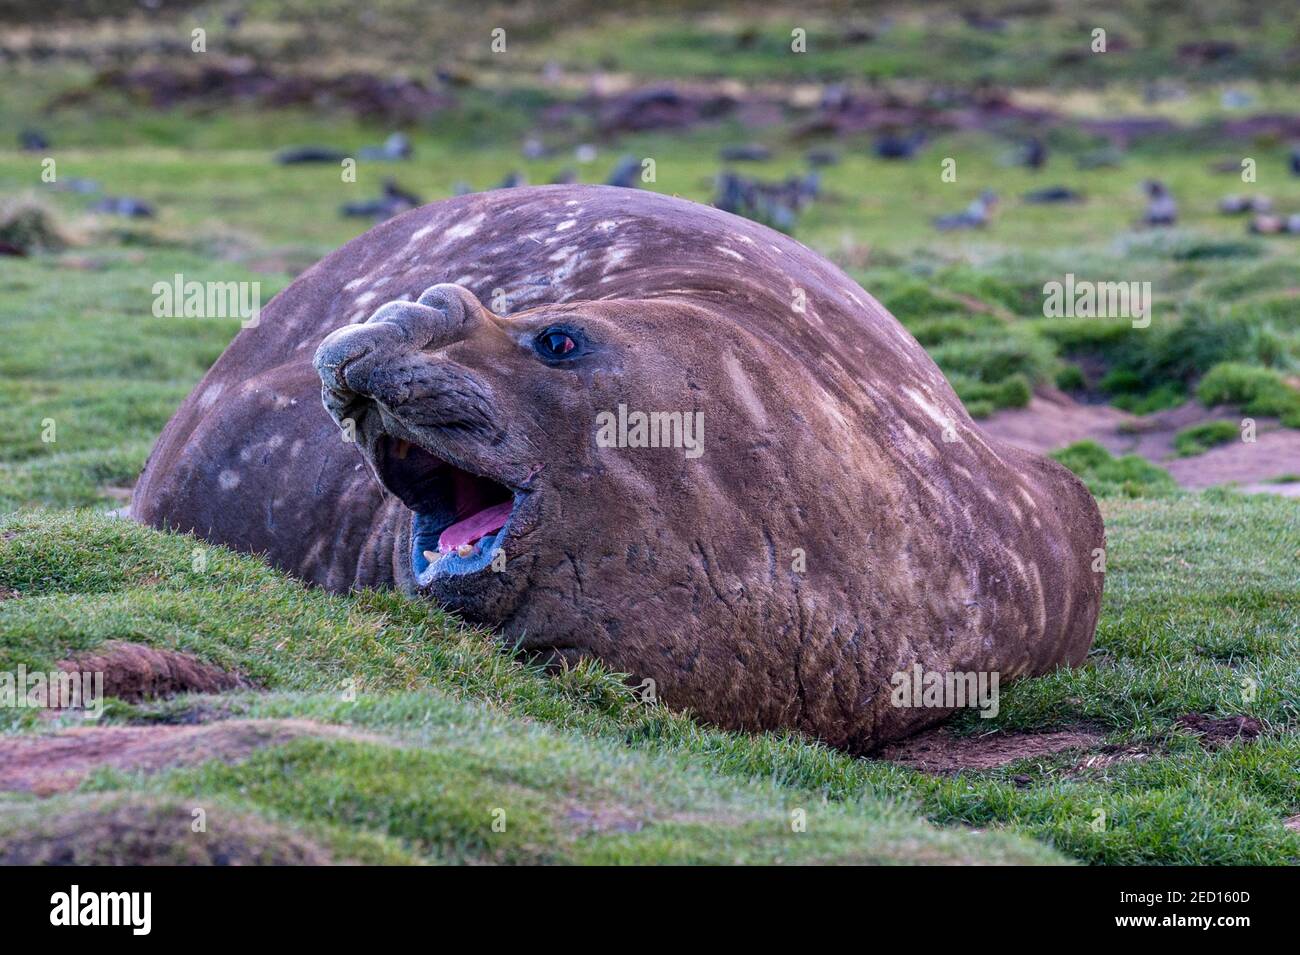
731, 252
419, 234
935, 413
566, 225
462, 230
355, 284
210, 394
228, 480
1028, 498
365, 298
745, 391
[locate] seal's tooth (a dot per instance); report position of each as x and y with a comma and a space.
402, 449
464, 550
431, 555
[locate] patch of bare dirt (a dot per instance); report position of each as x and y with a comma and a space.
219, 82
1053, 420
133, 672
52, 763
140, 831
1219, 731
939, 751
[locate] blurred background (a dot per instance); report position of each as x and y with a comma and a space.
953, 157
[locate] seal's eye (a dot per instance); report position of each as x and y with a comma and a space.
556, 343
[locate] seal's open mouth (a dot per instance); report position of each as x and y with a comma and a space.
460, 517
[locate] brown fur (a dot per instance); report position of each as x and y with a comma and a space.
824, 433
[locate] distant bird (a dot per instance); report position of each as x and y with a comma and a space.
124, 206
394, 200
306, 154
1295, 161
513, 179
625, 173
33, 140
750, 152
1034, 154
775, 204
893, 146
1053, 194
565, 176
1161, 208
395, 147
974, 216
1237, 205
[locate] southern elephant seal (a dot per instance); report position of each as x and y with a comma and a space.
616, 424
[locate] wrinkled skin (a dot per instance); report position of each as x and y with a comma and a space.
846, 519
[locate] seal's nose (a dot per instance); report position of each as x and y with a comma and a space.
443, 314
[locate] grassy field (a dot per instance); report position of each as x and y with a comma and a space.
443, 734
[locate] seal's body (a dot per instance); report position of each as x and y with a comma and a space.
677, 441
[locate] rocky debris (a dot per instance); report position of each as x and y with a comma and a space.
83, 187
897, 145
1162, 209
749, 152
1034, 153
124, 206
296, 155
395, 147
394, 201
775, 204
658, 107
1052, 194
32, 140
974, 216
1275, 225
1239, 205
625, 174
394, 100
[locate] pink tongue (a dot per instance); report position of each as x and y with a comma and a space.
475, 526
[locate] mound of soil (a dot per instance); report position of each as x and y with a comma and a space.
138, 831
52, 763
133, 672
939, 751
1054, 420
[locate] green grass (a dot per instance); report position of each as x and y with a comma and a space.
1201, 437
1202, 603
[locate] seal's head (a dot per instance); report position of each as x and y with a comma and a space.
493, 431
